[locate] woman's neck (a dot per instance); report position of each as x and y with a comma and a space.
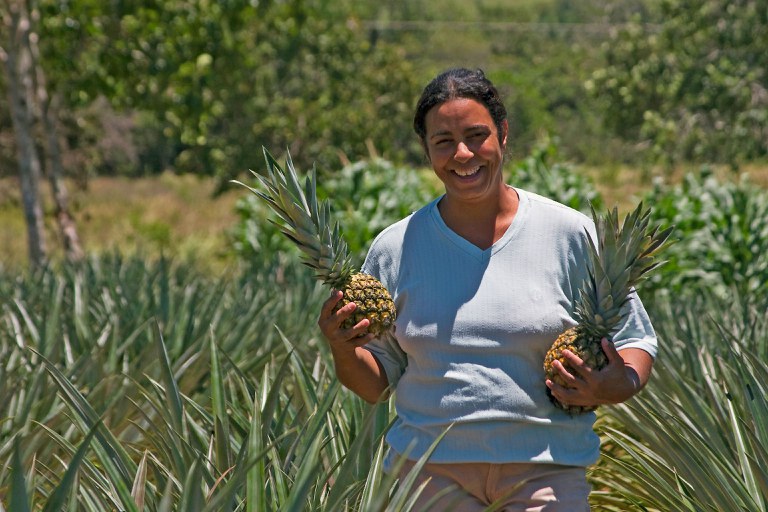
484, 222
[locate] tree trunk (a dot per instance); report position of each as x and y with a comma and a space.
67, 227
18, 64
72, 248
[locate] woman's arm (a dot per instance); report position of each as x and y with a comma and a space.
356, 368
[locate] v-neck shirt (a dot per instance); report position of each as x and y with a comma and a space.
472, 329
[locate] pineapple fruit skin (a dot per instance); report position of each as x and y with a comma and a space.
587, 349
373, 301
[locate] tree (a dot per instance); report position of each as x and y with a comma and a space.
18, 61
694, 86
209, 83
31, 107
46, 111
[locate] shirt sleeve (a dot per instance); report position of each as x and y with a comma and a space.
391, 357
382, 262
636, 330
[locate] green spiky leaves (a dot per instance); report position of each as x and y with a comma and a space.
305, 221
620, 258
625, 253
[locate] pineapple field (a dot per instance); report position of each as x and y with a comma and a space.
135, 383
179, 365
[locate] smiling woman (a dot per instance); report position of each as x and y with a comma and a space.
484, 279
466, 151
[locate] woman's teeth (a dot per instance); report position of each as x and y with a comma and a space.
467, 172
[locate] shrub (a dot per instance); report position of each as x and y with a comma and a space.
723, 236
542, 174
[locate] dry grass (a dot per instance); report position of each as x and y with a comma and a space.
623, 185
174, 215
179, 216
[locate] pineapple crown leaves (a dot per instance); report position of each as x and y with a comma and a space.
303, 219
624, 255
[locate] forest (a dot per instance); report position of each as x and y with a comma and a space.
158, 334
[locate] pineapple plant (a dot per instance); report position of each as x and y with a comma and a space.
622, 258
308, 224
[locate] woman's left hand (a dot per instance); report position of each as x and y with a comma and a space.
624, 376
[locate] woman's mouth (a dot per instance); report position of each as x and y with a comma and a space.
464, 173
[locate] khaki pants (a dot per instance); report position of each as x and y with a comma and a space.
527, 487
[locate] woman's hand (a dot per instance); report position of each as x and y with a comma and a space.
330, 322
356, 368
624, 376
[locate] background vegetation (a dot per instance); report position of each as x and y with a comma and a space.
177, 366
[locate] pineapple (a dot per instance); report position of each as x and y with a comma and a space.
308, 225
625, 255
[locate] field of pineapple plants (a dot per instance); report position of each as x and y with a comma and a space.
136, 383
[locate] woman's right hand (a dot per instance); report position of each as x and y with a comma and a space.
330, 322
356, 368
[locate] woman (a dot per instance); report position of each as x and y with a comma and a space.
484, 279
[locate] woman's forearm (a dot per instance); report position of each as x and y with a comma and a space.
361, 373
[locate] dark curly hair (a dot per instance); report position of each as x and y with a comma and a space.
459, 83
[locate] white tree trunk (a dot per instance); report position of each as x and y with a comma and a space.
67, 228
18, 64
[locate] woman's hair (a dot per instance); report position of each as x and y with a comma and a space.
459, 83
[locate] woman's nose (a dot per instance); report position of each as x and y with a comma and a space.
463, 153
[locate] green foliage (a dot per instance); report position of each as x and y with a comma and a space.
693, 87
696, 438
369, 195
209, 81
543, 174
722, 232
195, 86
541, 73
130, 385
366, 197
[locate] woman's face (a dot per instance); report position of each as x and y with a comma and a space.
462, 143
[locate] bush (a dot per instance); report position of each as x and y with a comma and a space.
723, 236
542, 174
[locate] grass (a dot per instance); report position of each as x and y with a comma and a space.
624, 185
174, 215
180, 216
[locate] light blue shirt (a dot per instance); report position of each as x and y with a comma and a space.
472, 329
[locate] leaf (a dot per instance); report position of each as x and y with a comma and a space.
172, 390
139, 489
220, 416
116, 462
19, 500
58, 498
192, 499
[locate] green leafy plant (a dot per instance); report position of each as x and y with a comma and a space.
541, 173
696, 438
136, 385
722, 233
690, 87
